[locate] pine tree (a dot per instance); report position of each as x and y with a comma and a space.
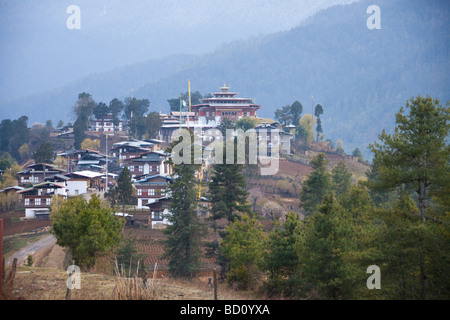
183, 243
124, 187
281, 258
340, 178
416, 159
243, 247
327, 240
416, 154
316, 185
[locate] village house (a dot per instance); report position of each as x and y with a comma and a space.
37, 199
35, 173
151, 188
129, 149
159, 212
105, 123
149, 164
81, 182
274, 134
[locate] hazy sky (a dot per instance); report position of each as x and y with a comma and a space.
39, 52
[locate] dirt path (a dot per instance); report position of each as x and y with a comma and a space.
38, 250
55, 258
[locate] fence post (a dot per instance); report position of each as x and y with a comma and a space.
1, 259
215, 283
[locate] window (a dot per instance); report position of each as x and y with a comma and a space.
156, 215
48, 201
151, 192
37, 202
131, 168
27, 202
139, 192
141, 168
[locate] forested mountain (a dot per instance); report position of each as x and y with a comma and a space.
360, 76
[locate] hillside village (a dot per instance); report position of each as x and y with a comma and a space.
87, 172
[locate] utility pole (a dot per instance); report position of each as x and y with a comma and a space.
106, 143
312, 115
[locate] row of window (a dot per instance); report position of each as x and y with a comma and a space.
141, 168
29, 179
38, 202
151, 192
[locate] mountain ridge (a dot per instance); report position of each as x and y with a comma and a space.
361, 77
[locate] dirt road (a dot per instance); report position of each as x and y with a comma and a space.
38, 250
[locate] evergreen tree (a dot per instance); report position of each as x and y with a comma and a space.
227, 191
281, 258
296, 111
327, 240
183, 243
318, 111
284, 115
340, 178
243, 247
417, 153
124, 187
316, 185
44, 154
87, 229
416, 158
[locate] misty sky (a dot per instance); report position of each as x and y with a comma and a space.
39, 52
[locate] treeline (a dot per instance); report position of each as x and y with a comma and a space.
134, 111
397, 220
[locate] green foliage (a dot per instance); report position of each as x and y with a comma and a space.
246, 123
129, 260
417, 154
243, 247
340, 178
135, 110
183, 243
196, 98
316, 185
281, 258
357, 153
44, 153
153, 123
289, 114
100, 110
327, 240
79, 131
227, 191
87, 229
29, 260
13, 134
284, 115
124, 187
296, 111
